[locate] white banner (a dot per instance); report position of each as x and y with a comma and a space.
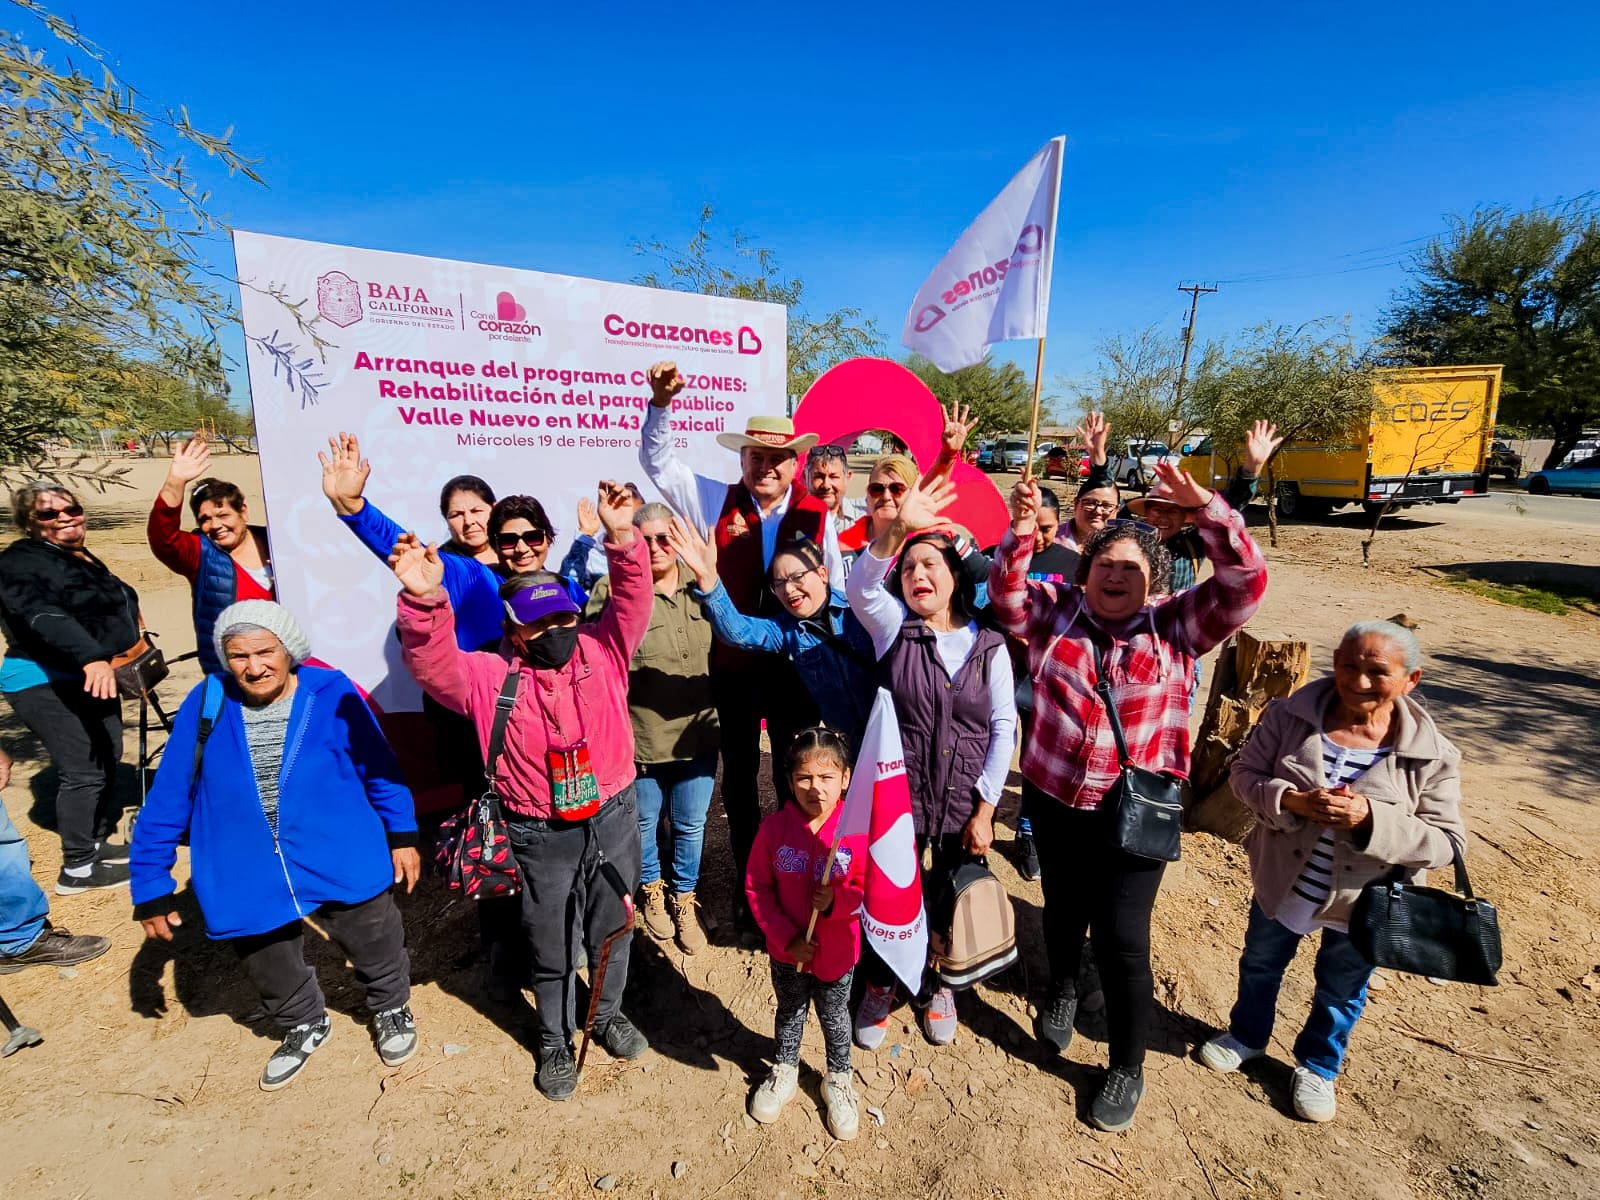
994, 284
535, 382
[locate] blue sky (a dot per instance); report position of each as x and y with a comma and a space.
1298, 151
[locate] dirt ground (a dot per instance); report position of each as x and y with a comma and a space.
145, 1084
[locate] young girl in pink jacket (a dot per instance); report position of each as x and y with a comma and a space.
785, 886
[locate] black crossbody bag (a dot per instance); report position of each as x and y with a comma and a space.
1146, 806
1427, 930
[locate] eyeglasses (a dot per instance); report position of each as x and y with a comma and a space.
1129, 523
46, 516
659, 540
533, 539
784, 582
1103, 506
878, 490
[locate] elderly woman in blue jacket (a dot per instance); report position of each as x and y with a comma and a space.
294, 806
811, 625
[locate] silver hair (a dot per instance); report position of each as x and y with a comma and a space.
1390, 631
654, 511
239, 628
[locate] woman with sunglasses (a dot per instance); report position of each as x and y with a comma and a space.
893, 476
954, 695
675, 736
814, 627
66, 616
1116, 618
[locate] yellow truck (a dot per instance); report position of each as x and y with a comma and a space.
1428, 441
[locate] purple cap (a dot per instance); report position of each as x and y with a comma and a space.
537, 601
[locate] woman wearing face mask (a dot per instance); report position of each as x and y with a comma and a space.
566, 777
814, 628
955, 699
1069, 758
66, 616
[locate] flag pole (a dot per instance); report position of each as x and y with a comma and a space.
1033, 426
827, 870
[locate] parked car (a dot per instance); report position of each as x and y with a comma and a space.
985, 459
1010, 454
1580, 479
1063, 462
1585, 449
1505, 461
1135, 465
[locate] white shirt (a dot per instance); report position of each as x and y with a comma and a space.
698, 500
882, 615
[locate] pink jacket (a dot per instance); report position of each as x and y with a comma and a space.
1415, 793
588, 698
785, 868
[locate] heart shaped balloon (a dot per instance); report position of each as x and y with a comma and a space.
863, 394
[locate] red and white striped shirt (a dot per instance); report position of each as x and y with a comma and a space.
1069, 752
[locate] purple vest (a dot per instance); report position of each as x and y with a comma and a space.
944, 724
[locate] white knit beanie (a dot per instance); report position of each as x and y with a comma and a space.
261, 614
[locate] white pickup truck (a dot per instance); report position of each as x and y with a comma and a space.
1134, 466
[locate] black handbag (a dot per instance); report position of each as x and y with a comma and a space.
139, 668
1427, 930
1146, 806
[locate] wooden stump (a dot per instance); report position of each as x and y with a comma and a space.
1252, 670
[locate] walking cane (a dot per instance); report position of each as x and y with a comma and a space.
598, 976
17, 1036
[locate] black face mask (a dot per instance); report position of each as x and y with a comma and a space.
553, 649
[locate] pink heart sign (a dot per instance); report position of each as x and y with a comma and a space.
862, 394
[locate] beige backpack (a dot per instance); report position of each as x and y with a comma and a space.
974, 931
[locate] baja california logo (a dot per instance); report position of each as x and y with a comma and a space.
339, 298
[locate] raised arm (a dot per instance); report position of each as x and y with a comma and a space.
696, 498
176, 548
1259, 446
958, 423
1015, 601
623, 622
427, 626
727, 622
1204, 616
875, 606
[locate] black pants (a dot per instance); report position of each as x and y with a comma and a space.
796, 992
84, 739
948, 854
773, 691
575, 875
1091, 885
372, 937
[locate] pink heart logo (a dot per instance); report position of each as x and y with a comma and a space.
507, 308
864, 394
749, 343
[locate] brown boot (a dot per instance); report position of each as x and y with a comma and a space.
686, 913
653, 910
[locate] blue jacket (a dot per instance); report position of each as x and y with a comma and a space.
840, 672
216, 585
342, 805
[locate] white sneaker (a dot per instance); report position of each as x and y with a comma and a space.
1227, 1053
776, 1090
1313, 1096
843, 1119
872, 1016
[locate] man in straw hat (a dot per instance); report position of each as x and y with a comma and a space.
746, 521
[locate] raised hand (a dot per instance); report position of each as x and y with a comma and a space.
190, 460
418, 568
615, 509
665, 383
588, 518
1024, 504
344, 474
1095, 430
921, 506
1259, 445
699, 555
1186, 493
957, 425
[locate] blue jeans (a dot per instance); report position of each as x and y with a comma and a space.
683, 789
22, 904
1341, 992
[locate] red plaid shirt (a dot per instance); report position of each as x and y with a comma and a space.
1069, 752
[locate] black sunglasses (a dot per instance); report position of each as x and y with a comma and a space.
532, 539
660, 540
46, 515
877, 490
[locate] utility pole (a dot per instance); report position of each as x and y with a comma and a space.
1195, 291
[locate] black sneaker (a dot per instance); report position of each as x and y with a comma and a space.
622, 1039
557, 1076
299, 1044
1027, 857
55, 947
1053, 1025
395, 1033
1112, 1109
99, 875
108, 851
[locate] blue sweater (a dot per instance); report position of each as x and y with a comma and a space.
840, 671
342, 805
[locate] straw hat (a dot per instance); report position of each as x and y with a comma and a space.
768, 433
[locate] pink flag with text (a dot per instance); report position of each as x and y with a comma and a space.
878, 807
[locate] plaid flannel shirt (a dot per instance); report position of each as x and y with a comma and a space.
1069, 752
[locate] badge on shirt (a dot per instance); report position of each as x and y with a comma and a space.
738, 527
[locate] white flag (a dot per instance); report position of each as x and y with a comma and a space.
995, 282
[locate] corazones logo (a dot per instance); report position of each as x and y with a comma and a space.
746, 340
1030, 245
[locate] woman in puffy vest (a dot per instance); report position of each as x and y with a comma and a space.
955, 699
